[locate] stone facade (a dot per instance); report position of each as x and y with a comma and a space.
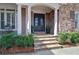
66, 17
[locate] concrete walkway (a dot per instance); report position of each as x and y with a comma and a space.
62, 51
67, 51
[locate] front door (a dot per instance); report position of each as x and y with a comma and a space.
39, 22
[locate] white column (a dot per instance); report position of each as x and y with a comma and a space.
19, 24
29, 20
55, 22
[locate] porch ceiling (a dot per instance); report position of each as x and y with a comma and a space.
43, 9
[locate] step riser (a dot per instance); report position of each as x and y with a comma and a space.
43, 40
45, 37
48, 48
46, 44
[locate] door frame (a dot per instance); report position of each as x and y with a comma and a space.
44, 21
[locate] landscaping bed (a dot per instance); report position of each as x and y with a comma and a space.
11, 43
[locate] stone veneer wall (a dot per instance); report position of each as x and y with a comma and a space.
66, 20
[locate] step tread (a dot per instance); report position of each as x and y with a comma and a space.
41, 36
46, 42
46, 38
49, 46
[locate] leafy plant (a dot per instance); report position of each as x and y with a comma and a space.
32, 29
24, 41
62, 37
47, 29
21, 41
30, 41
74, 37
6, 40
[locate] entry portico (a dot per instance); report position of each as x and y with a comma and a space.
27, 12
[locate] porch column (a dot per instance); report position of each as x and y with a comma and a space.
19, 24
29, 20
55, 21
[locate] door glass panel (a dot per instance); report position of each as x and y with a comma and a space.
41, 21
2, 20
36, 21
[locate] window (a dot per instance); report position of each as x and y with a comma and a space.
77, 21
7, 18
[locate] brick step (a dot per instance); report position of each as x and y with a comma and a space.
45, 43
44, 36
54, 46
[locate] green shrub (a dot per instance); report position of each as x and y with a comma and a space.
6, 40
24, 41
62, 37
21, 41
30, 42
74, 37
9, 40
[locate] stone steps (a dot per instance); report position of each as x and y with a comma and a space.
46, 42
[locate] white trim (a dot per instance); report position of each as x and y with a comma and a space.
6, 30
15, 19
19, 22
5, 17
45, 23
29, 20
55, 21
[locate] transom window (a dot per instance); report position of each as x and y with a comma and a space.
7, 18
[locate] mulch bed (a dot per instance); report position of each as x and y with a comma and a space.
16, 50
66, 45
